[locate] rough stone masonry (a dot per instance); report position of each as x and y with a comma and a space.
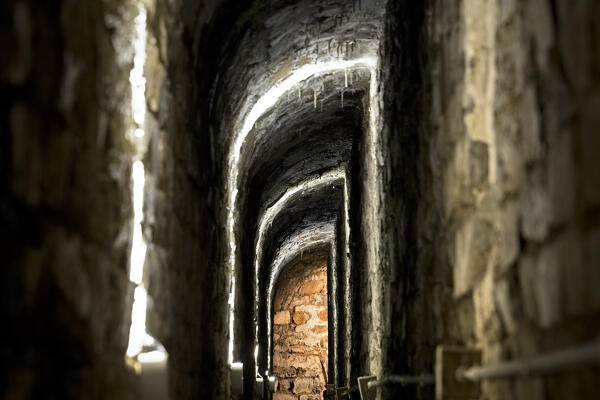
300, 331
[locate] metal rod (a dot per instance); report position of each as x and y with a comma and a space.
403, 380
574, 357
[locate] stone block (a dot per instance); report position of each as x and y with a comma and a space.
303, 349
284, 384
312, 287
534, 208
303, 385
284, 396
310, 397
487, 321
319, 329
473, 247
323, 315
281, 318
300, 317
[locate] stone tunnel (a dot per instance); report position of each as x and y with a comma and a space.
300, 199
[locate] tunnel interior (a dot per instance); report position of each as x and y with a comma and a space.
244, 199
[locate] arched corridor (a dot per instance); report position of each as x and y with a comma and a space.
294, 200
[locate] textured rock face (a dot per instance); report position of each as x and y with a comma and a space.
487, 111
65, 201
187, 285
300, 344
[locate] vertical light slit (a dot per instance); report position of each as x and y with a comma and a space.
137, 331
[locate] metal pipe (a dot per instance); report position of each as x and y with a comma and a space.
403, 380
574, 357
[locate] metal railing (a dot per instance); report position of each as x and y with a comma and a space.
569, 358
451, 379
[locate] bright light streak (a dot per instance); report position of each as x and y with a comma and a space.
256, 358
266, 101
137, 331
138, 255
231, 312
138, 177
152, 357
138, 247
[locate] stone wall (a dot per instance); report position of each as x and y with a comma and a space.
187, 283
300, 332
66, 149
493, 216
65, 200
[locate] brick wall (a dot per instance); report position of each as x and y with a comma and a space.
300, 332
